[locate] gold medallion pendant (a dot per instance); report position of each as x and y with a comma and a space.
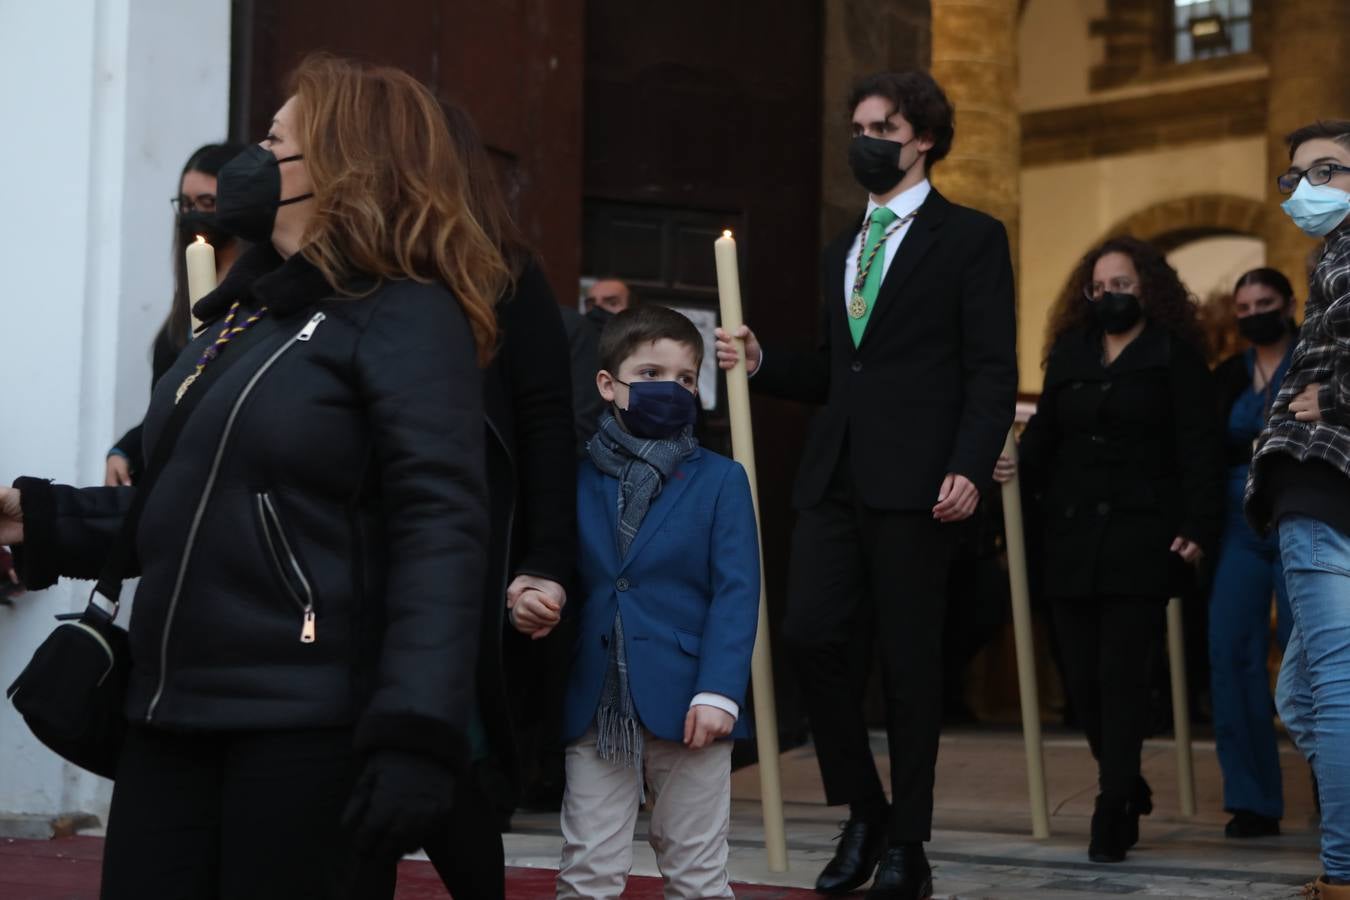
857, 306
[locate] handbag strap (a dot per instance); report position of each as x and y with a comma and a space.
119, 560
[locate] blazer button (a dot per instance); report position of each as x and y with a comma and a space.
1103, 508
857, 365
621, 584
604, 640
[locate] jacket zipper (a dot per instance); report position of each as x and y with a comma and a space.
304, 335
285, 560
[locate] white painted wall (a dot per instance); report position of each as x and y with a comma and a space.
103, 102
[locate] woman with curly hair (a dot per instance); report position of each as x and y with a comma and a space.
1124, 451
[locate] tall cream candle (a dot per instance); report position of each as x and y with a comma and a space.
761, 663
201, 273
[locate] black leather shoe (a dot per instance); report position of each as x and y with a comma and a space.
904, 874
861, 844
1246, 824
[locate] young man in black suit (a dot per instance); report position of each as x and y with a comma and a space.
915, 373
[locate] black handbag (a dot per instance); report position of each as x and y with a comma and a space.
73, 690
72, 694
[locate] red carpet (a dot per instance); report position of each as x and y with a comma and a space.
67, 869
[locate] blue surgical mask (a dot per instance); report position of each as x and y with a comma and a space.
1317, 208
658, 410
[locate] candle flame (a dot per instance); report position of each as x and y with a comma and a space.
726, 233
200, 239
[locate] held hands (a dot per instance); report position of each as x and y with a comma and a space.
728, 355
705, 724
1188, 550
534, 605
1005, 470
116, 471
1306, 407
957, 499
11, 517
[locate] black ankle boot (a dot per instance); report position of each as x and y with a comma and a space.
1110, 830
1247, 824
1139, 804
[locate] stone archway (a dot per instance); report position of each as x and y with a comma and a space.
1172, 223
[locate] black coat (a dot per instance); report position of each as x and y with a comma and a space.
932, 386
531, 464
1125, 457
338, 462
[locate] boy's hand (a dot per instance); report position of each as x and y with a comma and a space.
705, 724
534, 605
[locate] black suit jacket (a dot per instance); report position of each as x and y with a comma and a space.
931, 388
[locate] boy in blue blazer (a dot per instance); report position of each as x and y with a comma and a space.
669, 596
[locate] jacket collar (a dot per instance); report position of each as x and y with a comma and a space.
1078, 355
608, 488
261, 277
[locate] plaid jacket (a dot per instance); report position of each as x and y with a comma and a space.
1322, 356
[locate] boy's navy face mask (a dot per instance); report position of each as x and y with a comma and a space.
658, 409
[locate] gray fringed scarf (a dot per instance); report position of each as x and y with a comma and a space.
642, 466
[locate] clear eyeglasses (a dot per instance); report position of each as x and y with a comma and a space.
1317, 175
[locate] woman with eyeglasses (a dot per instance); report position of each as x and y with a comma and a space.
1248, 569
1124, 452
194, 214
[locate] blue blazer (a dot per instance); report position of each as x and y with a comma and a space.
688, 592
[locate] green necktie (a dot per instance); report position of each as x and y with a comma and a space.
873, 259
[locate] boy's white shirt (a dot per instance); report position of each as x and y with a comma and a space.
716, 701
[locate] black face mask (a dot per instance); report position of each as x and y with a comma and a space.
658, 410
875, 163
1264, 328
1117, 312
248, 194
599, 315
194, 223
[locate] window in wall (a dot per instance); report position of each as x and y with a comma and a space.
1203, 29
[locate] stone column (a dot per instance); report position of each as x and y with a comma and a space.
861, 37
975, 61
1309, 80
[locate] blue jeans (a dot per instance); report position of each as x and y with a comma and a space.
1248, 572
1314, 688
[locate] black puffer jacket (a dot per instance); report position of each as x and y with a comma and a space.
336, 466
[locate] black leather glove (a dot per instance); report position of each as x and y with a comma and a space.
398, 801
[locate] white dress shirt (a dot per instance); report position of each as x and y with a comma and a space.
717, 701
902, 205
